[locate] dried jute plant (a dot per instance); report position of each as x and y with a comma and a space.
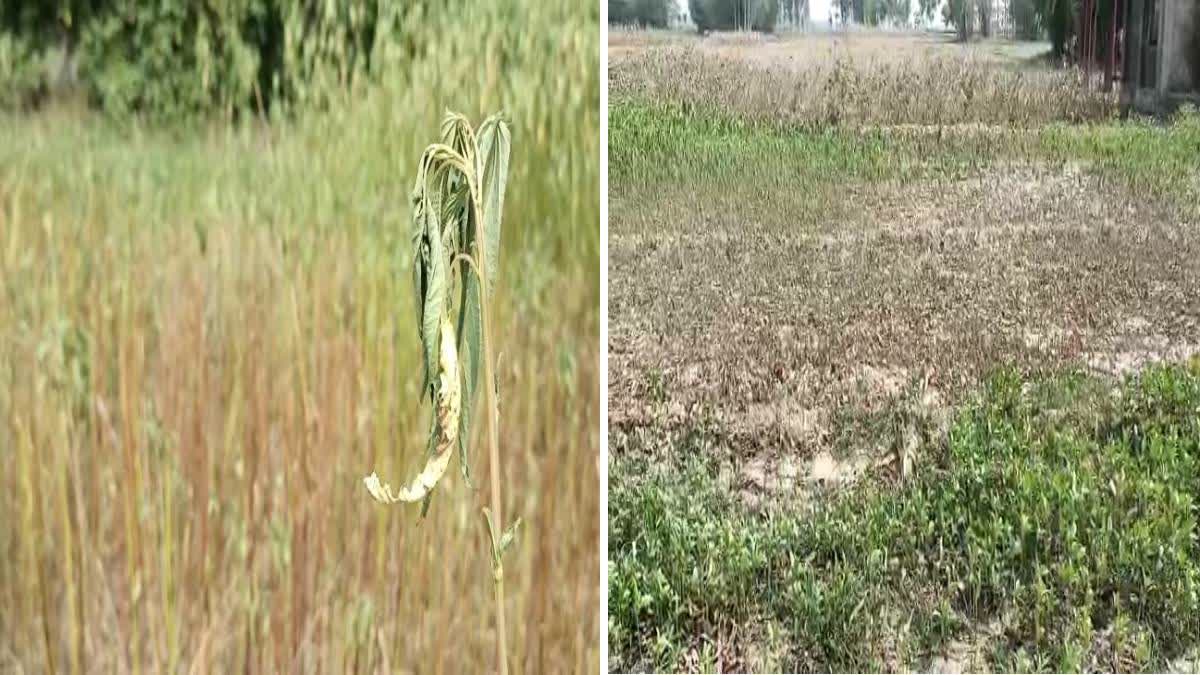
457, 204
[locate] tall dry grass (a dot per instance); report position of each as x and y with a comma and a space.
834, 89
206, 339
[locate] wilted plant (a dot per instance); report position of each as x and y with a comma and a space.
858, 91
457, 203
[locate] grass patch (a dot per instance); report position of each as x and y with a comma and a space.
655, 144
1062, 512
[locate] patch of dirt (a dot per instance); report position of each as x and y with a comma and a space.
1135, 346
799, 481
937, 281
877, 382
825, 471
785, 418
767, 647
968, 653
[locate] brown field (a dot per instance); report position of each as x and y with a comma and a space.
922, 284
855, 78
793, 49
868, 290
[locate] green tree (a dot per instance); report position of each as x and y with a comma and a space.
1026, 19
39, 26
794, 12
173, 57
759, 15
926, 9
1058, 16
654, 13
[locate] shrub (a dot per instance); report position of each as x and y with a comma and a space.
175, 56
20, 81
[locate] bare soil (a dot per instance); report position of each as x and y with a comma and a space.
792, 340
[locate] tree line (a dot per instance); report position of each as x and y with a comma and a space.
179, 56
1028, 19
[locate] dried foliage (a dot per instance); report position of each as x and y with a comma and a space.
206, 336
924, 90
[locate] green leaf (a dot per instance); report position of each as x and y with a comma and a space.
420, 265
470, 346
494, 146
487, 513
509, 537
501, 544
457, 133
436, 281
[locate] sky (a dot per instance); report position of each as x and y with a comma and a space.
818, 10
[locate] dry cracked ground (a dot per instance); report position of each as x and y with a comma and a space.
820, 351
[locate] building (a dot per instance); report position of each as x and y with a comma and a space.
1161, 55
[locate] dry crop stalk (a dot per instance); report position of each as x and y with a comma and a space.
458, 200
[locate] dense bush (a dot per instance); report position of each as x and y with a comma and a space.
654, 13
759, 15
20, 81
176, 56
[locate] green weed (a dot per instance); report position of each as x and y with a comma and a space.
1058, 527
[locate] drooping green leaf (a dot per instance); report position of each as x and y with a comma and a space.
456, 208
436, 283
447, 222
470, 341
457, 133
470, 345
452, 183
420, 265
494, 146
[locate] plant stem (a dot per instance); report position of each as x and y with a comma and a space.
494, 459
493, 414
